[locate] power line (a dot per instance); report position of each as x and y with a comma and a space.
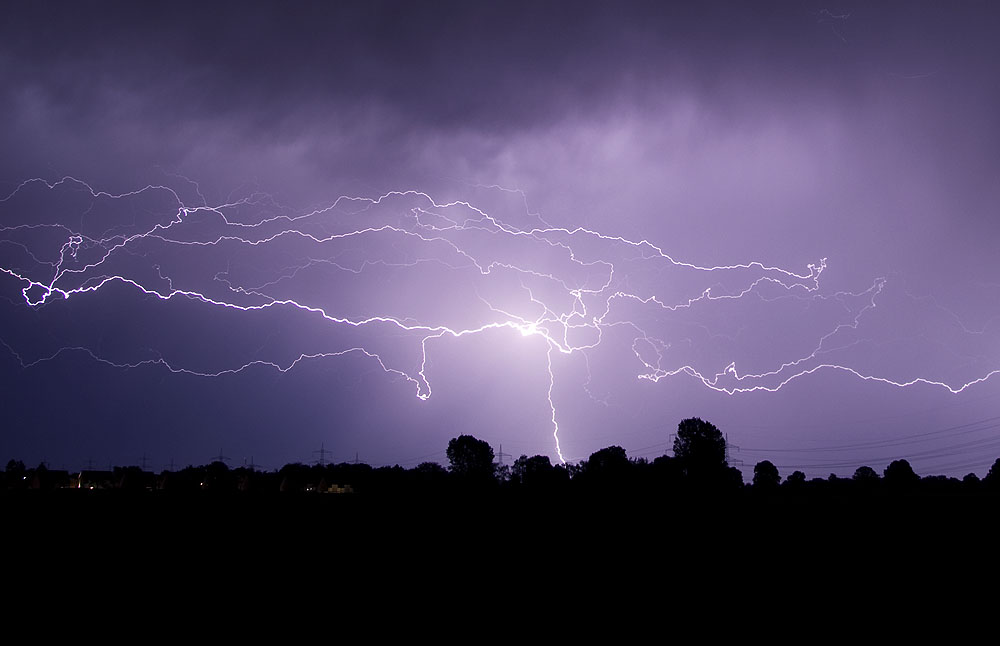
896, 441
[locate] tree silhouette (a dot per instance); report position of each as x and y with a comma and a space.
533, 471
765, 475
612, 461
432, 469
430, 475
699, 446
15, 475
865, 474
992, 479
16, 468
899, 473
797, 479
218, 477
732, 478
470, 457
609, 467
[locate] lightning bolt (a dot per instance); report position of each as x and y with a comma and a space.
572, 287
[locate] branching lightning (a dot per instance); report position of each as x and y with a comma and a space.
572, 287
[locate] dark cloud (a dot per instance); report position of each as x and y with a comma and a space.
455, 64
371, 82
154, 82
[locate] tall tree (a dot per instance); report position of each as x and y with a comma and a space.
470, 457
699, 446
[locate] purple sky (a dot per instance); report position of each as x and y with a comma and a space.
377, 226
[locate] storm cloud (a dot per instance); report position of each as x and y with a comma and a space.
722, 133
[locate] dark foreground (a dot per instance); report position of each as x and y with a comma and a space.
458, 562
83, 531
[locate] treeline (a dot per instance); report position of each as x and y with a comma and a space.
698, 466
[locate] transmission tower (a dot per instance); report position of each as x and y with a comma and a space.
501, 455
322, 455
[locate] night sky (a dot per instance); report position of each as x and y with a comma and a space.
259, 228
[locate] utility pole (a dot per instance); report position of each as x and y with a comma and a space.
220, 457
143, 461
